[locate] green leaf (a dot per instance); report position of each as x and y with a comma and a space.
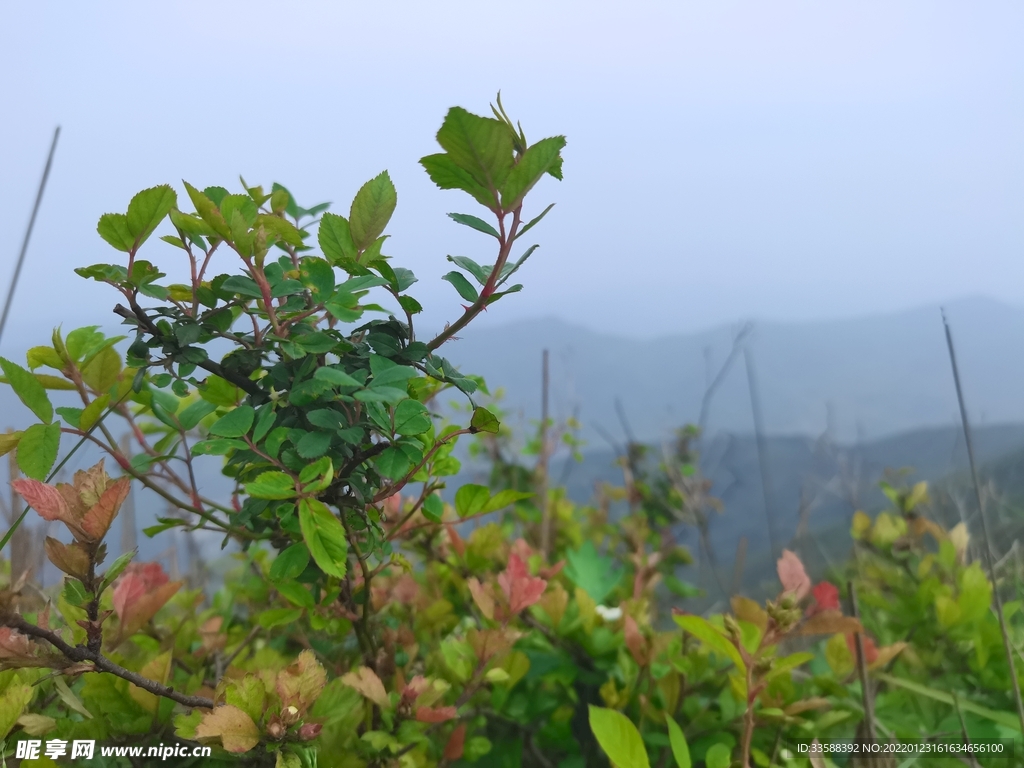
9, 441
535, 162
318, 276
279, 229
116, 569
313, 444
218, 447
411, 418
484, 421
336, 377
462, 285
534, 221
15, 697
325, 537
481, 146
481, 274
37, 449
393, 463
102, 370
40, 356
433, 508
235, 423
371, 210
706, 632
93, 412
502, 499
271, 485
193, 414
295, 593
474, 223
594, 574
335, 238
471, 499
147, 209
1007, 719
28, 389
718, 756
618, 737
677, 741
113, 227
208, 211
447, 175
264, 422
278, 617
290, 563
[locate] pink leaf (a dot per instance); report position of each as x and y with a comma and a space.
43, 498
793, 576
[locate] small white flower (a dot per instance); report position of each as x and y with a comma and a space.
609, 614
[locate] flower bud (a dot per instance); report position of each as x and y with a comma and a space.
309, 731
289, 716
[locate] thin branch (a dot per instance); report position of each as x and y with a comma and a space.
28, 232
987, 549
862, 669
81, 654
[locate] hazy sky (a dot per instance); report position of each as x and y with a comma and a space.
781, 160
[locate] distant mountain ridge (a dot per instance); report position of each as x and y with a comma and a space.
877, 375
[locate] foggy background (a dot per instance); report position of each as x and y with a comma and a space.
831, 172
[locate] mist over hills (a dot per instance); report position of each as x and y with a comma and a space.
842, 400
864, 377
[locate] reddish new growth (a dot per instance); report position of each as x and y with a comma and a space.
521, 590
826, 598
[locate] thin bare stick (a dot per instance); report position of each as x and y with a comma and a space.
987, 549
80, 654
762, 449
542, 462
862, 669
716, 382
963, 729
28, 232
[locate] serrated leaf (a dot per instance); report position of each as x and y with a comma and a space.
313, 444
447, 175
236, 423
372, 208
325, 537
28, 389
535, 162
37, 449
411, 418
484, 421
481, 146
113, 227
271, 485
290, 563
147, 209
194, 413
335, 239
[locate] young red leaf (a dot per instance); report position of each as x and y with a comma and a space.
521, 590
436, 714
826, 598
456, 743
